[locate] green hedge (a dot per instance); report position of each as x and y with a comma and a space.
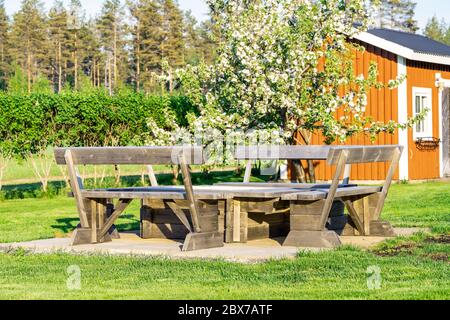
30, 123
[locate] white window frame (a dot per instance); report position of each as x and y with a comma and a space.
428, 121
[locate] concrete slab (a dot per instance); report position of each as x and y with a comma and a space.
131, 244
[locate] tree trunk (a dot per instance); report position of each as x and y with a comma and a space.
106, 74
299, 171
143, 172
2, 71
59, 67
98, 75
29, 68
311, 169
76, 72
42, 166
138, 58
175, 172
110, 77
306, 137
116, 76
170, 81
117, 174
93, 70
63, 171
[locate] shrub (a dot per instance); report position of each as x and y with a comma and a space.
31, 123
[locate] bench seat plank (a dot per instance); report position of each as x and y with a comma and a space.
357, 191
320, 194
284, 185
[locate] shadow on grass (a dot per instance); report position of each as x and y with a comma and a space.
32, 190
67, 225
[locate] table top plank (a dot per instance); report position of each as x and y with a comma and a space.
200, 192
293, 185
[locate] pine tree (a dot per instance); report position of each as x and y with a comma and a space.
147, 42
58, 38
66, 49
398, 15
4, 30
75, 50
192, 40
209, 36
135, 9
447, 36
407, 16
435, 30
111, 28
29, 41
173, 45
91, 62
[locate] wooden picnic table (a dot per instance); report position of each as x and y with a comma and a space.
207, 215
231, 203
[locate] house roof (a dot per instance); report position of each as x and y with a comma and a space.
416, 42
410, 46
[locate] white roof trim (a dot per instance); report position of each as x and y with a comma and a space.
401, 50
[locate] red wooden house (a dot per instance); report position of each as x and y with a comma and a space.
426, 64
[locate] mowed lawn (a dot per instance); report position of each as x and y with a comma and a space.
417, 267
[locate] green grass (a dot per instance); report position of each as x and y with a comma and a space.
419, 205
411, 268
341, 274
423, 245
31, 219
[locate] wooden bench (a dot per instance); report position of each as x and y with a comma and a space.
326, 200
309, 210
199, 216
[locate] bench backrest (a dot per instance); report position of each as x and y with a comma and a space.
282, 152
275, 153
183, 156
364, 154
130, 155
354, 155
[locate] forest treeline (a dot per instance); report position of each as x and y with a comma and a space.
136, 44
127, 44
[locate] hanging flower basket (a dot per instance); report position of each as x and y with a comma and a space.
428, 144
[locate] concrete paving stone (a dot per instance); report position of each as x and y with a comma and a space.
131, 244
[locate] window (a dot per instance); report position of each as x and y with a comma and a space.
422, 99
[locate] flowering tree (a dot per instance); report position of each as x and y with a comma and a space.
288, 64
